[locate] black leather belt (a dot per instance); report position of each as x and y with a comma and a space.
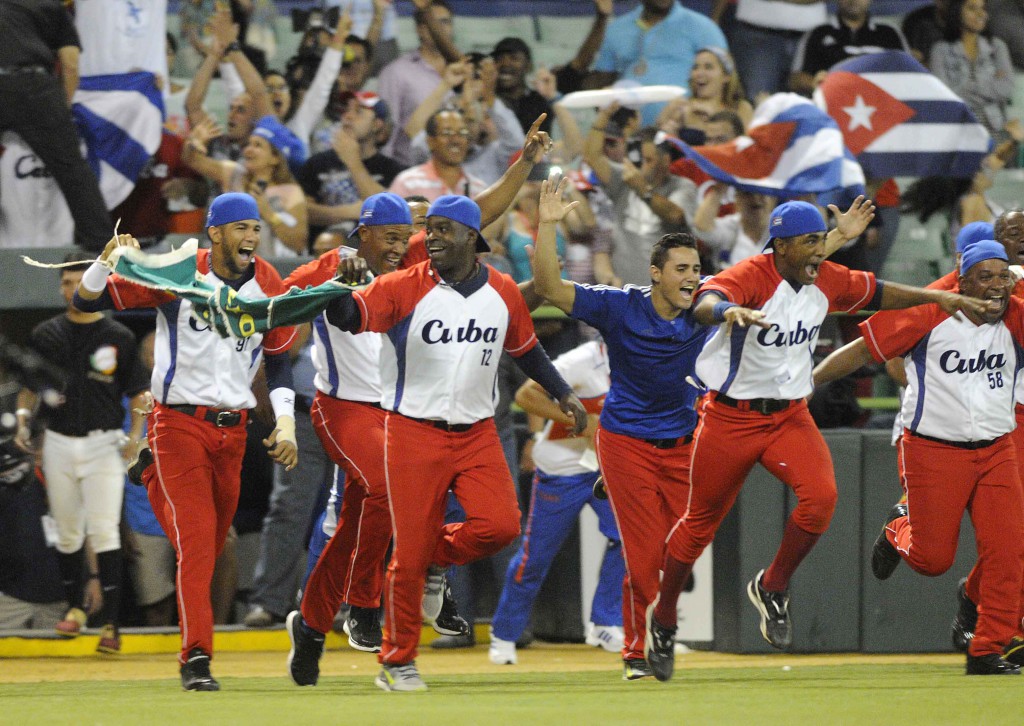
763, 406
970, 445
669, 443
443, 425
22, 70
219, 418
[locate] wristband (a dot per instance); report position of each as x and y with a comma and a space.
282, 400
95, 278
718, 311
232, 47
27, 413
285, 426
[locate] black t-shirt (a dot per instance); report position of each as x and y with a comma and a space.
834, 42
326, 180
528, 107
32, 32
102, 364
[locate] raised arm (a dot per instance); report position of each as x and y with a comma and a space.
195, 152
849, 224
593, 145
547, 277
495, 200
713, 309
445, 45
196, 95
897, 297
314, 101
454, 75
595, 36
842, 362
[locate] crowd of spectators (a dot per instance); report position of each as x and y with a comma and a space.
350, 115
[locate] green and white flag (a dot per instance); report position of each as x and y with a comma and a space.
215, 302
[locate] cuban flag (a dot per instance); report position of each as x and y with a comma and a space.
791, 148
900, 120
120, 118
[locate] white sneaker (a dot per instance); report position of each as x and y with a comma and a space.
400, 678
502, 652
609, 637
433, 594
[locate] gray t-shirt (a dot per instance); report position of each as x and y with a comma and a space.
637, 227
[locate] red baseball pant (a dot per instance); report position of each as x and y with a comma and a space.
648, 489
942, 482
351, 567
193, 488
726, 445
422, 464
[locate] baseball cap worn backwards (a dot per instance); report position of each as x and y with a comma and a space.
986, 249
231, 207
281, 138
462, 210
971, 234
792, 219
383, 209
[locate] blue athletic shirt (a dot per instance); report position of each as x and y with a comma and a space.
650, 359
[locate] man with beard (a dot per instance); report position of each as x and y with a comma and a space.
202, 386
514, 61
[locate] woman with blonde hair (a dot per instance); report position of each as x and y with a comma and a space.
714, 86
264, 172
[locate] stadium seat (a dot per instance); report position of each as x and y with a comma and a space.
920, 253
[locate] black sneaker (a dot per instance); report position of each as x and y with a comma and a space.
446, 619
143, 460
991, 664
362, 626
195, 672
774, 610
1014, 651
659, 645
304, 657
884, 557
966, 620
633, 669
453, 642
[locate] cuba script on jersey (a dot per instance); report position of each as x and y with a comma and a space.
435, 331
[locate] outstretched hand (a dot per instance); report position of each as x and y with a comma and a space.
952, 304
852, 223
744, 317
552, 208
118, 240
352, 271
572, 407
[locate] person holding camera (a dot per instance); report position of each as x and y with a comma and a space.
649, 201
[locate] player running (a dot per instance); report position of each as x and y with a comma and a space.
755, 410
202, 386
956, 451
446, 322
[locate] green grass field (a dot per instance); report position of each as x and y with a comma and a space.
832, 694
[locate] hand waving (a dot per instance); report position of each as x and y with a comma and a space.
552, 209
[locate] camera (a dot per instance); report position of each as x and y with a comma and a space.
303, 20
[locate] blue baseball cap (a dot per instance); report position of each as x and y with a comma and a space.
383, 209
231, 207
986, 249
971, 234
462, 210
281, 138
792, 219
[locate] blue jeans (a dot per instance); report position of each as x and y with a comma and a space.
764, 58
554, 507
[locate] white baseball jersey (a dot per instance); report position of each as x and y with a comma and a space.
33, 212
119, 36
347, 365
961, 377
442, 344
776, 362
586, 369
194, 364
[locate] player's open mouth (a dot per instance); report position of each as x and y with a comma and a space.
687, 290
812, 269
392, 260
245, 254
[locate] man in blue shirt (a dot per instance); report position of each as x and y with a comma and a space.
646, 425
654, 44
